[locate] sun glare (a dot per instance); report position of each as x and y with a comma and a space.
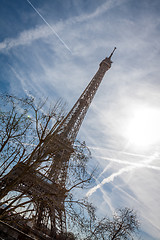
143, 129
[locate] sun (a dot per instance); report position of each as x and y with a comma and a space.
143, 128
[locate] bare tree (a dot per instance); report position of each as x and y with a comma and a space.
25, 126
123, 225
14, 126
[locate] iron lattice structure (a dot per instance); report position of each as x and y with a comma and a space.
48, 192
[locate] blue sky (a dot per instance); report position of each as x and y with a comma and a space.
122, 125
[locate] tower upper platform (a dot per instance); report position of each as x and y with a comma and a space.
107, 61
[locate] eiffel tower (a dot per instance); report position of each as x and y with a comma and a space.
48, 192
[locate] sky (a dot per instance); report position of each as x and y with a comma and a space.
53, 48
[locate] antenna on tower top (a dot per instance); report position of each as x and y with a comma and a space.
112, 53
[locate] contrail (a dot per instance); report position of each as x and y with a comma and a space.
127, 194
107, 199
141, 164
109, 179
50, 27
121, 152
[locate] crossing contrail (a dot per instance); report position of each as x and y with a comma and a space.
140, 164
50, 27
109, 179
121, 152
130, 167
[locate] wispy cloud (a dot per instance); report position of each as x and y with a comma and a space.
28, 36
25, 38
100, 10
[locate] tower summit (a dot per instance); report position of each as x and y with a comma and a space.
107, 61
48, 191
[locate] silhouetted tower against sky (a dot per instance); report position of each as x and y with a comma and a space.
48, 191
